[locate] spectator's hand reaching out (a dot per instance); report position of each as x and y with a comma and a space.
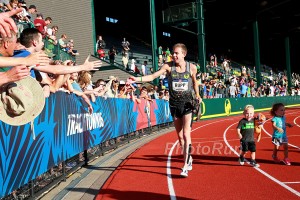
90, 66
7, 24
37, 58
14, 74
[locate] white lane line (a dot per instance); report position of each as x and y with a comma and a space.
296, 122
260, 170
297, 182
169, 174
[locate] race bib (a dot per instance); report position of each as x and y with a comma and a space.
180, 84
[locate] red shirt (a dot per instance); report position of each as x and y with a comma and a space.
41, 24
101, 53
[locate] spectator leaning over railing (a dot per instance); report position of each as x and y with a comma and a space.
7, 46
101, 87
86, 85
74, 87
42, 24
31, 10
127, 91
31, 38
71, 50
62, 42
112, 87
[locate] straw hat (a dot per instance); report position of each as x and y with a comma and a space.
21, 101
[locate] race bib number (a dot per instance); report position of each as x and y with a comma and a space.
180, 84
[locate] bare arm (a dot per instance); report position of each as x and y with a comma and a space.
239, 133
14, 74
86, 99
62, 69
195, 82
280, 130
151, 77
259, 135
33, 59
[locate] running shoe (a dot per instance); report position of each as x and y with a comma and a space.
184, 172
242, 160
276, 159
190, 165
286, 161
254, 163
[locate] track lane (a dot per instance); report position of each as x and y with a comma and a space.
216, 172
278, 173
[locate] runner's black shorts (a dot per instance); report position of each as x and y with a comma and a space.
179, 110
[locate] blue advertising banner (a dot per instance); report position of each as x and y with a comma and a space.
64, 129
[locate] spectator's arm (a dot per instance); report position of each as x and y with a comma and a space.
33, 59
14, 74
62, 69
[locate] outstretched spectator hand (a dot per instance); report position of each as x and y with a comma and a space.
7, 23
37, 58
91, 66
134, 79
14, 74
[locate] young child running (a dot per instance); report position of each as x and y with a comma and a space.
245, 131
279, 132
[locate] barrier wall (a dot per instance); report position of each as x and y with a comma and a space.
64, 129
225, 107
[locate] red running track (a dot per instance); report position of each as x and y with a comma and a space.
152, 171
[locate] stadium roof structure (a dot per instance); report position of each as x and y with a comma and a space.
277, 19
229, 24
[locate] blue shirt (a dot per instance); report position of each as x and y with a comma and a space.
22, 54
280, 123
244, 89
76, 86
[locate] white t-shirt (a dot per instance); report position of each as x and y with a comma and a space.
144, 70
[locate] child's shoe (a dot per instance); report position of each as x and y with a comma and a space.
184, 172
254, 163
286, 161
242, 160
276, 159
